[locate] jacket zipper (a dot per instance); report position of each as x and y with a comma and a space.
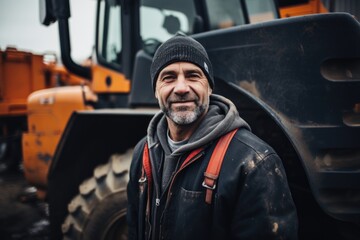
196, 157
157, 204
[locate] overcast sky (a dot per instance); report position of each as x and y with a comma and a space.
20, 27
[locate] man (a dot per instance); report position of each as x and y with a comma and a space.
166, 195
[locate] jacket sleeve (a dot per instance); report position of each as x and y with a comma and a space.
133, 192
264, 208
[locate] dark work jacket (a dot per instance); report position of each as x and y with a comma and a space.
251, 200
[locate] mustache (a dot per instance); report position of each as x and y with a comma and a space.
183, 98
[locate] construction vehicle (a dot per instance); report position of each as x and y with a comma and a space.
294, 80
21, 73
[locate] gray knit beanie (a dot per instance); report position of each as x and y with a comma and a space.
181, 48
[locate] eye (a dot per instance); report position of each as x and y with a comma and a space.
193, 76
167, 78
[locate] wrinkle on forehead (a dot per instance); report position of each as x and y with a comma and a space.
181, 67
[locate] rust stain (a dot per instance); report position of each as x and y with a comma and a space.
44, 157
38, 142
31, 170
250, 86
338, 159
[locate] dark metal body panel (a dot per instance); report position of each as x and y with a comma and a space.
89, 140
304, 72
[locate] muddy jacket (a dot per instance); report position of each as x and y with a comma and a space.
251, 199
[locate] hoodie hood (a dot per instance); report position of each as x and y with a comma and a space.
222, 117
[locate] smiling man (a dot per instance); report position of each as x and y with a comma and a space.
168, 192
183, 93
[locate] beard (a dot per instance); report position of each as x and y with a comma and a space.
184, 115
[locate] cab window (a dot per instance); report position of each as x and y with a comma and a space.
224, 14
161, 19
260, 10
109, 35
228, 13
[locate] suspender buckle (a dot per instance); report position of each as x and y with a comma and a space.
142, 182
208, 187
142, 179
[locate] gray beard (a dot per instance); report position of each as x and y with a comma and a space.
184, 117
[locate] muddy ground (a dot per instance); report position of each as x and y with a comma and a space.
22, 216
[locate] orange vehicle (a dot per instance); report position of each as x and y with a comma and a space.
22, 73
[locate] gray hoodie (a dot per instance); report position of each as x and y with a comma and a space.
221, 118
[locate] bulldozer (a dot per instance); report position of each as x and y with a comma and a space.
294, 79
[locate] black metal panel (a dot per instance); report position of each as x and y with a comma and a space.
142, 93
305, 72
349, 6
280, 63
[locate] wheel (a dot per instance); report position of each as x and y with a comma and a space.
98, 212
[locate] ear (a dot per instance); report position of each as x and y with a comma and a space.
209, 90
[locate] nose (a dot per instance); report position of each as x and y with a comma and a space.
181, 85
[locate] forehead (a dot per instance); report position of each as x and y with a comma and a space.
181, 66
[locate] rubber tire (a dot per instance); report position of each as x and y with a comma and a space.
98, 212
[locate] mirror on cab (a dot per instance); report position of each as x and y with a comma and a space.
46, 12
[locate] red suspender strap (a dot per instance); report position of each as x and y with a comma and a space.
146, 166
146, 175
190, 156
214, 166
211, 174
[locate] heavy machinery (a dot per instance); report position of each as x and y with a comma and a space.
22, 73
294, 80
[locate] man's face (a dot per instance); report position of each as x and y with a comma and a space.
183, 91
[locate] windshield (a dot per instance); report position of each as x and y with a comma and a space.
260, 10
224, 14
109, 45
161, 19
229, 13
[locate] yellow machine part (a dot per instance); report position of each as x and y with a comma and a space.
48, 113
312, 7
108, 81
